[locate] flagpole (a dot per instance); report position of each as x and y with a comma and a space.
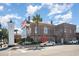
26, 32
26, 27
27, 22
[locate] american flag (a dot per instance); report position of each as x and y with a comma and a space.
24, 24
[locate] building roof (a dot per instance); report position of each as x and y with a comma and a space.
66, 24
40, 23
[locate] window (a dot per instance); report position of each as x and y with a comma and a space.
36, 29
45, 30
65, 30
61, 30
70, 31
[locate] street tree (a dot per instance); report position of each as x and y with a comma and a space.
36, 19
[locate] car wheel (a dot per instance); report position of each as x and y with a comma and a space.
44, 44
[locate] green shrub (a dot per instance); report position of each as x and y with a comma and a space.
28, 39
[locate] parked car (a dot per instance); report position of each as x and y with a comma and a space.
73, 41
48, 43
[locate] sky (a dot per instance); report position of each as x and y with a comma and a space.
56, 12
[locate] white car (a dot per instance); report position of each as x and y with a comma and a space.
73, 41
47, 43
50, 43
43, 44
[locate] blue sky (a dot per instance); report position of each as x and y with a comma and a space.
58, 13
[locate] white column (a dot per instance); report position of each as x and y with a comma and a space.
62, 40
11, 33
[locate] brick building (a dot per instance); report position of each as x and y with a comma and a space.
65, 32
77, 36
59, 33
43, 29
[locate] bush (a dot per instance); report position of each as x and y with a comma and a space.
29, 41
36, 42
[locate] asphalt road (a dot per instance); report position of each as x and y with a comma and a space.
60, 50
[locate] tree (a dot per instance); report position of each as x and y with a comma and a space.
5, 33
0, 34
36, 19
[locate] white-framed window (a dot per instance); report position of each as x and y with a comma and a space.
45, 30
65, 30
35, 29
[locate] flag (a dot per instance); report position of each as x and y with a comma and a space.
24, 24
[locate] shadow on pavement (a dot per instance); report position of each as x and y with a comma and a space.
4, 48
35, 48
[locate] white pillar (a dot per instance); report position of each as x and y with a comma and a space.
11, 33
62, 40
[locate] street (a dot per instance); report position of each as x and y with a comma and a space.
59, 50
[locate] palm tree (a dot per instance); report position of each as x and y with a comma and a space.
36, 19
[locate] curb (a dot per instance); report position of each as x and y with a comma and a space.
4, 48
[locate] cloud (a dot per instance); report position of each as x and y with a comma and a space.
1, 8
32, 9
6, 18
8, 4
47, 22
58, 8
64, 18
61, 12
54, 8
9, 10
